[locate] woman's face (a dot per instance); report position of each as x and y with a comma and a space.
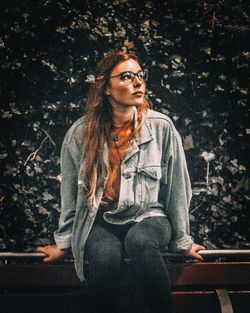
122, 93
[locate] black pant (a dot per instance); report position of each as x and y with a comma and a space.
142, 243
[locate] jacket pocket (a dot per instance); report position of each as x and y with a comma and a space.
150, 183
153, 172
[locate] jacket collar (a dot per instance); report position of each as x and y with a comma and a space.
146, 132
146, 135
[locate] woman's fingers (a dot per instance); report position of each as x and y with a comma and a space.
52, 252
44, 250
193, 251
48, 259
197, 256
41, 249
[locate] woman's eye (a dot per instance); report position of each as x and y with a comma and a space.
127, 76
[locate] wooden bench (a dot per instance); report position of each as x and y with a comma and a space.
219, 284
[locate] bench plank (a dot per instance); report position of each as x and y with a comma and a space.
184, 274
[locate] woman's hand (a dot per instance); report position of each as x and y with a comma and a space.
53, 253
192, 252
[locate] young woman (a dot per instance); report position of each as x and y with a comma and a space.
125, 189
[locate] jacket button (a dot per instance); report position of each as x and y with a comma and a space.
127, 175
92, 214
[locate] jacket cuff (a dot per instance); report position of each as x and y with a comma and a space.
63, 241
182, 244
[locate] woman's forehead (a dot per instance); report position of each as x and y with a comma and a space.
128, 65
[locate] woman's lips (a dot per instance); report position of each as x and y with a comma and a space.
137, 93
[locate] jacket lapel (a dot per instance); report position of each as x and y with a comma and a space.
146, 135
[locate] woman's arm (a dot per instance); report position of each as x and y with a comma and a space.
69, 161
69, 187
177, 196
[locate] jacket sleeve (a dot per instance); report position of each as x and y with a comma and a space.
177, 193
69, 186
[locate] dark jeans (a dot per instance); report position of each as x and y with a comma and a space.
142, 243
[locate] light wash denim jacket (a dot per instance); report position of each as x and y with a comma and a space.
153, 175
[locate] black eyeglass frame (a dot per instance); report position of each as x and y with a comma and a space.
143, 78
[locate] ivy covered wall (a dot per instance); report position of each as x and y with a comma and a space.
198, 56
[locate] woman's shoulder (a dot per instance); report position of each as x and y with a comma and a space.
75, 132
156, 118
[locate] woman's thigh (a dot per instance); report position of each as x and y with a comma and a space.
103, 252
152, 232
102, 244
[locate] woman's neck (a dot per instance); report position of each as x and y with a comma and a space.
123, 115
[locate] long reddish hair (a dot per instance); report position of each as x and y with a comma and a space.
98, 124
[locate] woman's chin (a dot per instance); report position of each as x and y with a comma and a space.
139, 102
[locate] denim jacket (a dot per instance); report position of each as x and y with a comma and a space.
153, 173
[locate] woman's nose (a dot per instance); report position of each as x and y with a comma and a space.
137, 81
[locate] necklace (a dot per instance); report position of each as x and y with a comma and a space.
121, 137
116, 135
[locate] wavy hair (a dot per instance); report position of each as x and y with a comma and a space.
98, 124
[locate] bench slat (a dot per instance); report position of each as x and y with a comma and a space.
183, 274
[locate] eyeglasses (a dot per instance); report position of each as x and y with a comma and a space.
128, 77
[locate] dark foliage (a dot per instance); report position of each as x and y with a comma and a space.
198, 57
